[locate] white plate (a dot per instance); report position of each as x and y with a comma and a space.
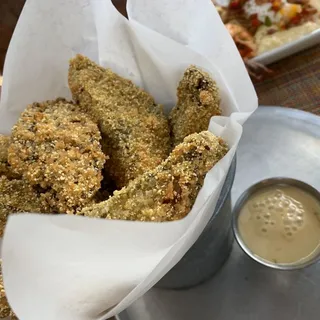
288, 49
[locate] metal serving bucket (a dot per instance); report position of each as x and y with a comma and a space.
211, 249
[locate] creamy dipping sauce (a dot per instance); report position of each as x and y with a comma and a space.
281, 224
267, 42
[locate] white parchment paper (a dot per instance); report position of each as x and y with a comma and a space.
68, 267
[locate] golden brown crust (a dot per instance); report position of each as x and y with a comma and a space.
198, 101
4, 145
5, 168
134, 129
5, 310
57, 147
167, 192
18, 196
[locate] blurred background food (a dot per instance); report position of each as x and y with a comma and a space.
258, 26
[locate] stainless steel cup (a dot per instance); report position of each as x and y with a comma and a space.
211, 249
278, 181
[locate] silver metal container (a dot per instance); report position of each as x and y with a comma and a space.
278, 181
211, 249
275, 142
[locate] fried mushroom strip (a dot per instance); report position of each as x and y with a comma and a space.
5, 310
134, 129
198, 101
169, 191
56, 146
18, 196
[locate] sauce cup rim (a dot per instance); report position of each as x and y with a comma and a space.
281, 181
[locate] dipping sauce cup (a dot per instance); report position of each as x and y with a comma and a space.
277, 223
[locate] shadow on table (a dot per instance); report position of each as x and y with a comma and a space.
242, 290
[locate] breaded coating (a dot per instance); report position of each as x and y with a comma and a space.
167, 192
198, 100
56, 146
5, 168
4, 145
18, 196
5, 310
134, 129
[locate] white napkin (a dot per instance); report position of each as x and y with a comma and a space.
71, 267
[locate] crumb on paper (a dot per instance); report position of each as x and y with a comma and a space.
167, 192
134, 128
198, 101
